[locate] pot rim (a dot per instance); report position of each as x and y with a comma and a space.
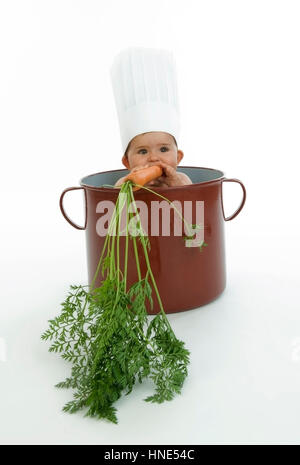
113, 189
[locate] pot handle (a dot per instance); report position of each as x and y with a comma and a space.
242, 203
63, 211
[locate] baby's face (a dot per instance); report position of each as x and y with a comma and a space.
152, 147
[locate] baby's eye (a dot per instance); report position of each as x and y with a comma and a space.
142, 150
162, 149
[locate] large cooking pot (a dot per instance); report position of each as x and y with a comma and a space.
186, 277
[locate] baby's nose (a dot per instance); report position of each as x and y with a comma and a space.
153, 156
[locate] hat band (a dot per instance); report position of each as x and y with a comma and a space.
149, 117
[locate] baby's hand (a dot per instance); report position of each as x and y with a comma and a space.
170, 176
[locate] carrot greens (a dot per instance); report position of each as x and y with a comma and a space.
105, 332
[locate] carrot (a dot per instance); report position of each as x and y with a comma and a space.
144, 175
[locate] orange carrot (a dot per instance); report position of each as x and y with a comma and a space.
144, 175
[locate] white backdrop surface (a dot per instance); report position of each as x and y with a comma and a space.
238, 73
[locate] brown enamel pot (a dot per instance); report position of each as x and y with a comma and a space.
186, 277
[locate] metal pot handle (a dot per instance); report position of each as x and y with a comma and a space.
63, 211
242, 203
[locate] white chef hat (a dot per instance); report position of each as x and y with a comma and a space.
144, 83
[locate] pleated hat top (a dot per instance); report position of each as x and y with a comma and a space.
144, 84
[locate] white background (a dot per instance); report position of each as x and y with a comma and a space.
238, 73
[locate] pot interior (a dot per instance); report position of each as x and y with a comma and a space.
197, 175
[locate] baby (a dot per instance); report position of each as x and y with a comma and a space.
155, 148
